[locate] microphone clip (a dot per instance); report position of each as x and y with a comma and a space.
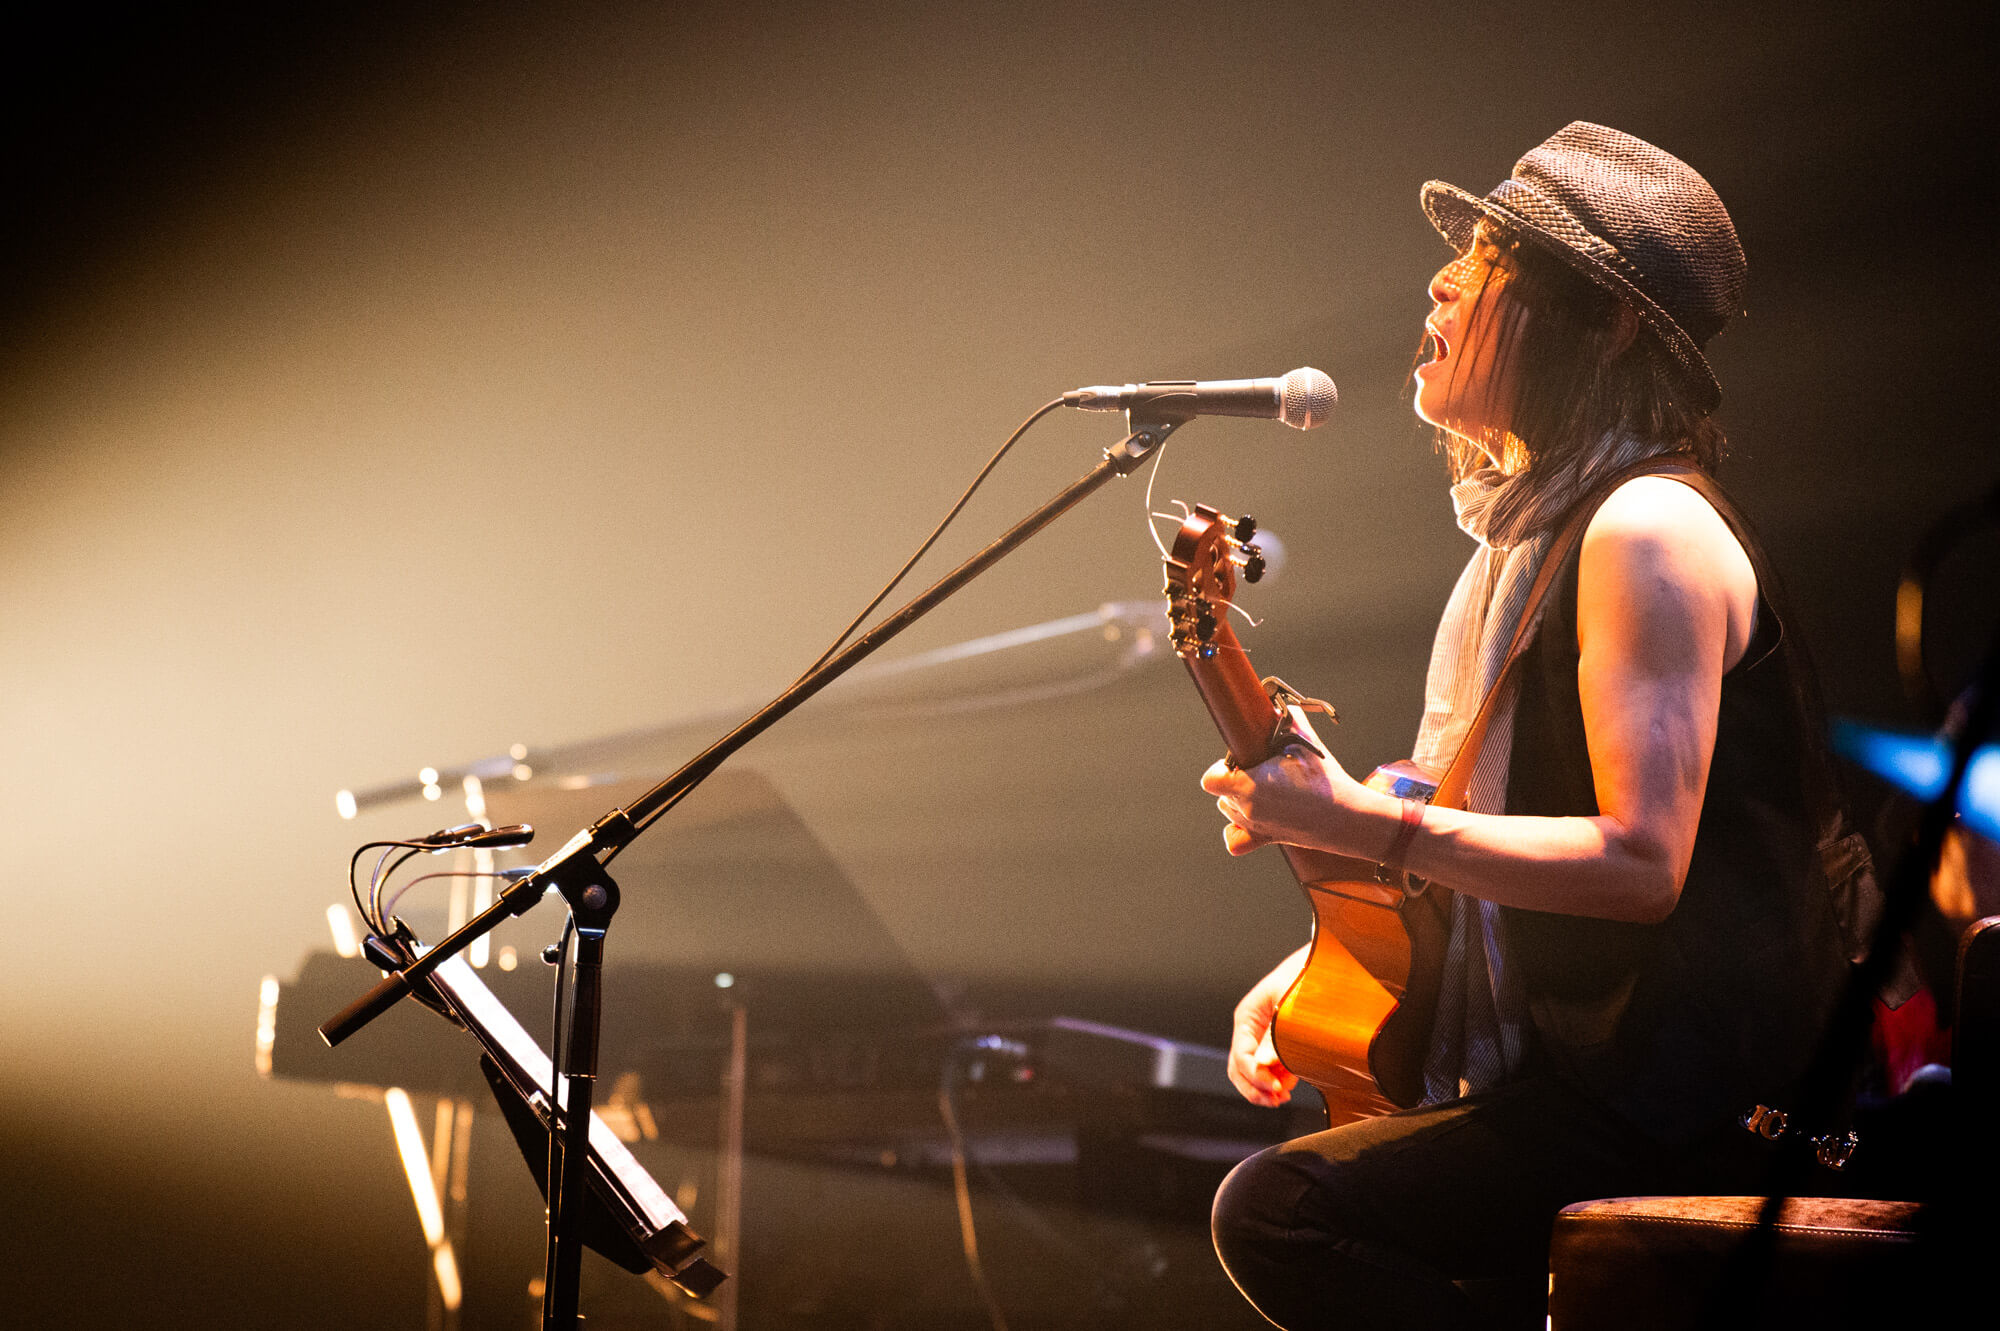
1128, 453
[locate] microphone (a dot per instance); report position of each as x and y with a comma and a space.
1302, 399
476, 834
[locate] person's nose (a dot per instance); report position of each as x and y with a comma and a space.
1445, 283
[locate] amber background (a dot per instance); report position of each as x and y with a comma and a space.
380, 390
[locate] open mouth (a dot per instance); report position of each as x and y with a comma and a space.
1439, 348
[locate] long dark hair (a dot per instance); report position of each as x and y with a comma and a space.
1578, 409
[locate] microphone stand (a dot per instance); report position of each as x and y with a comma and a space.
577, 872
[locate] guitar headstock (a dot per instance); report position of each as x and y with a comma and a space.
1202, 569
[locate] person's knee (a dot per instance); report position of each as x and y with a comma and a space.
1254, 1210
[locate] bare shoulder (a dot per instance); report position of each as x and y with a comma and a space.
1664, 523
1657, 542
1660, 508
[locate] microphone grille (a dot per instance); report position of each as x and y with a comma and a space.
1308, 398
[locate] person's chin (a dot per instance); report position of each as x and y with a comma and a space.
1418, 394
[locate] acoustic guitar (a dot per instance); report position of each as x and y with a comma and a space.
1353, 1023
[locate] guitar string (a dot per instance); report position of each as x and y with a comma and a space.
1159, 461
1248, 618
1152, 478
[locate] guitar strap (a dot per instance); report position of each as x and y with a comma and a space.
1457, 779
1815, 777
1396, 1056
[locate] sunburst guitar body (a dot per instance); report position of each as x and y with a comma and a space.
1352, 1024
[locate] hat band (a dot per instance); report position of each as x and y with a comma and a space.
1520, 197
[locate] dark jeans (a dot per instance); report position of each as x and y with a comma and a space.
1370, 1225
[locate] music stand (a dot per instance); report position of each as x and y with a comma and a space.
627, 1217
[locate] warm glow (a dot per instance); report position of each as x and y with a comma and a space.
1910, 628
416, 1163
482, 897
267, 1022
475, 798
345, 941
423, 1188
446, 1267
343, 803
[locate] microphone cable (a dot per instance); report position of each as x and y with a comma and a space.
929, 541
693, 778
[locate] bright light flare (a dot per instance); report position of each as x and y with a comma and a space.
446, 1267
1920, 764
475, 797
482, 896
341, 921
416, 1163
423, 1189
267, 1023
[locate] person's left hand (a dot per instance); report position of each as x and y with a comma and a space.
1294, 797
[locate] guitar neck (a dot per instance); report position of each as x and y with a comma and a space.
1229, 686
1252, 726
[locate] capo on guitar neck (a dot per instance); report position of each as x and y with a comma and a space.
1285, 698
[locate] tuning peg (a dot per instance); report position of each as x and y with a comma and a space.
1246, 527
1253, 564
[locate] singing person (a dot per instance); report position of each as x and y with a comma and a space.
1645, 923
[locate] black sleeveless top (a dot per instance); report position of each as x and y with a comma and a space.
1680, 1026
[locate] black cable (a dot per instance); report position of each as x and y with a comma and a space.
556, 1022
930, 540
382, 926
552, 1188
968, 1233
963, 1157
354, 887
694, 774
372, 916
389, 906
661, 812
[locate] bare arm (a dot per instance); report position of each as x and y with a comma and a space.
1666, 604
1254, 1068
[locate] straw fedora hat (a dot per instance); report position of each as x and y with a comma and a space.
1637, 221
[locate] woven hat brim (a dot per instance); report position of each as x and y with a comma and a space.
1455, 213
